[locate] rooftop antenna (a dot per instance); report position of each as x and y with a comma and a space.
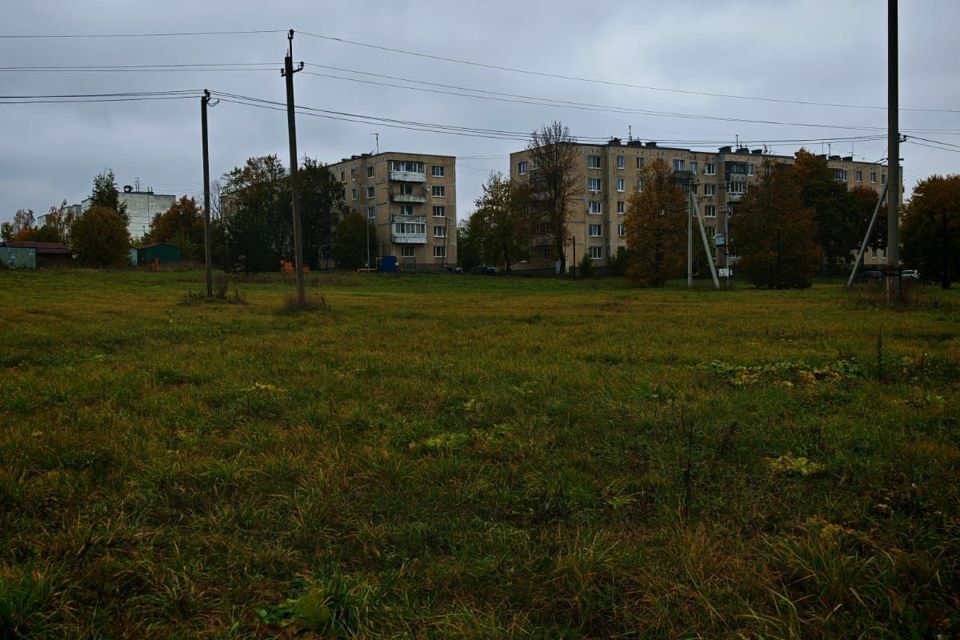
829, 148
738, 141
377, 136
630, 132
136, 181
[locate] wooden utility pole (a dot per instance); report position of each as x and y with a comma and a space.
287, 73
207, 248
893, 156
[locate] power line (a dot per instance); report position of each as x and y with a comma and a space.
169, 34
590, 107
121, 68
559, 76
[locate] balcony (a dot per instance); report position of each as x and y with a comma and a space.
405, 229
735, 197
418, 196
407, 176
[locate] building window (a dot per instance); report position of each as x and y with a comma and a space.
595, 206
710, 169
371, 213
439, 231
859, 176
370, 171
621, 230
439, 190
738, 188
840, 175
353, 172
873, 177
883, 178
406, 209
709, 189
596, 230
439, 251
439, 211
751, 169
620, 162
408, 228
593, 162
353, 193
639, 184
405, 189
546, 253
596, 253
678, 165
522, 167
371, 191
620, 185
621, 206
406, 251
408, 166
693, 168
593, 184
639, 162
436, 171
710, 211
342, 178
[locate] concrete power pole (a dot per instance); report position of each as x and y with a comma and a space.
287, 73
893, 156
207, 248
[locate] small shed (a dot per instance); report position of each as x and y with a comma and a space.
162, 252
17, 258
47, 254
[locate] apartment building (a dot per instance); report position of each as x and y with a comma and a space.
411, 198
142, 206
611, 172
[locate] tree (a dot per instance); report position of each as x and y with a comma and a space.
183, 220
555, 183
23, 220
503, 222
46, 233
100, 238
6, 231
349, 246
60, 219
656, 227
105, 194
775, 234
321, 204
259, 223
931, 229
468, 253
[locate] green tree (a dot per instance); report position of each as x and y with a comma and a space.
656, 227
775, 234
468, 253
321, 204
105, 194
555, 183
349, 246
257, 214
503, 222
46, 233
930, 229
100, 238
6, 231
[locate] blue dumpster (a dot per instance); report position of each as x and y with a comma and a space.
388, 264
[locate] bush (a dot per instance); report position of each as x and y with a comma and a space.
586, 266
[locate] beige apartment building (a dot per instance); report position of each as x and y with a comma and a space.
411, 198
610, 173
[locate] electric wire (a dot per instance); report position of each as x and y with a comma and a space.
560, 76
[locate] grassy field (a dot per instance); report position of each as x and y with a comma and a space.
469, 457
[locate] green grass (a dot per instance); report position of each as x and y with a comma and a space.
463, 457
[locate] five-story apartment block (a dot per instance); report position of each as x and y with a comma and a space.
411, 199
610, 173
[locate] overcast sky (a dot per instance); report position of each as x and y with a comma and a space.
826, 51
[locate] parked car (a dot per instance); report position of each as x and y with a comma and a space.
487, 270
910, 274
869, 275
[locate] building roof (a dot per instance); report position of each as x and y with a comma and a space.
155, 244
42, 248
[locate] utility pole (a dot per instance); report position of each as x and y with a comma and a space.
207, 248
689, 245
287, 73
893, 156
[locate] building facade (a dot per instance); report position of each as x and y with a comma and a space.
411, 199
611, 172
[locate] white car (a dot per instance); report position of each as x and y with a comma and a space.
910, 274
